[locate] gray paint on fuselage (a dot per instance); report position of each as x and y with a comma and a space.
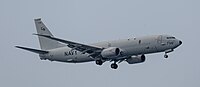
130, 47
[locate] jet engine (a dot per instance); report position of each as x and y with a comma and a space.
137, 59
111, 52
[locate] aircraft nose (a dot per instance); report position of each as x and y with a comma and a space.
180, 42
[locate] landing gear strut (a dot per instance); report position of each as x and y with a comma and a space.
114, 66
168, 51
99, 62
166, 56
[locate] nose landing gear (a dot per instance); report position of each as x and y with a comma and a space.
166, 56
168, 51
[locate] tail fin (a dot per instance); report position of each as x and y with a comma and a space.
45, 43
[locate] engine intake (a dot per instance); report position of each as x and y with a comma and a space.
111, 52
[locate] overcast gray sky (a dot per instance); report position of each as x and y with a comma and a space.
90, 21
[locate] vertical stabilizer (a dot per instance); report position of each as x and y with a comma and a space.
45, 43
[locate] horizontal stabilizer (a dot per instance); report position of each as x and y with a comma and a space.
33, 50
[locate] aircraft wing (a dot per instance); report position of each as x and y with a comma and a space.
92, 50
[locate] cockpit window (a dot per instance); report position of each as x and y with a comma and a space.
170, 37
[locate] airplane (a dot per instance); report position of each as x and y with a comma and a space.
131, 50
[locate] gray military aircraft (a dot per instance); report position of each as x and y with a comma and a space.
131, 50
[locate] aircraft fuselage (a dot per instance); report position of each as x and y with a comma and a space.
129, 47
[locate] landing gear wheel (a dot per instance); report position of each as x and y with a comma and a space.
99, 62
166, 56
114, 66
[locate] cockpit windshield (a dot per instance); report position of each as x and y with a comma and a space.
171, 38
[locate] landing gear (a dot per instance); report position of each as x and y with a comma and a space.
114, 66
99, 62
168, 51
166, 56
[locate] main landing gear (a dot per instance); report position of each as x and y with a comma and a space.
99, 62
114, 65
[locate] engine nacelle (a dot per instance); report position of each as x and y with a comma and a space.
137, 59
111, 52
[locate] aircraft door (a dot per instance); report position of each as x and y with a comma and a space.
160, 43
159, 39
